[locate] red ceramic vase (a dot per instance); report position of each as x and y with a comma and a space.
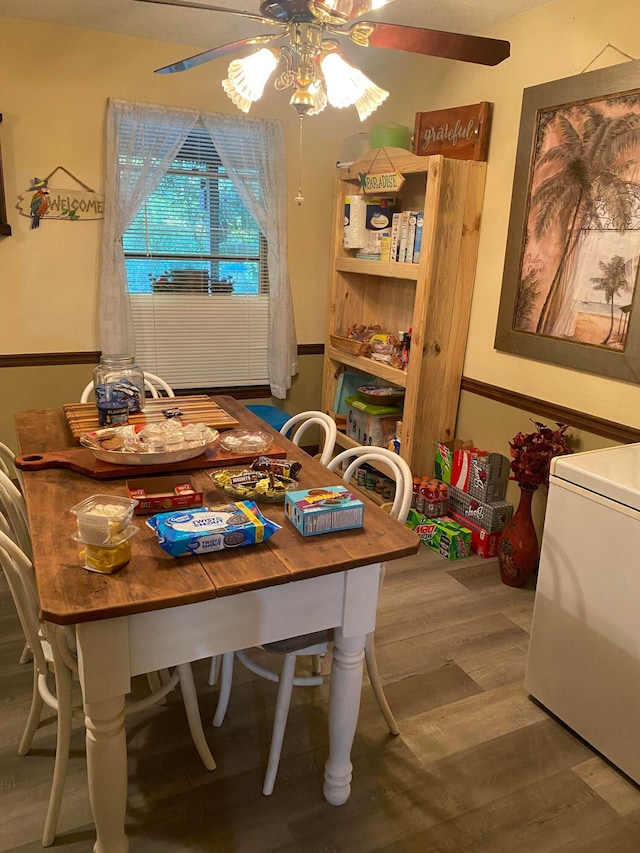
518, 551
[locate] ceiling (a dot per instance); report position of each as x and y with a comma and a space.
211, 29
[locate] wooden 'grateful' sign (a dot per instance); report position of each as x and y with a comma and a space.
459, 132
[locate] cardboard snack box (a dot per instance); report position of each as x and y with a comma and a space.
323, 510
445, 535
161, 494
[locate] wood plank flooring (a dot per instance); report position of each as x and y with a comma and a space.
478, 765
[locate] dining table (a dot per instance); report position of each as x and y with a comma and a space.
160, 611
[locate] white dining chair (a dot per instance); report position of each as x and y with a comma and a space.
14, 509
8, 466
300, 423
316, 644
54, 659
154, 385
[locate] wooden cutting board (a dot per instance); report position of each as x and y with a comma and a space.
83, 417
83, 461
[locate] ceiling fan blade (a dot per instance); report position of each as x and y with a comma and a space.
483, 51
188, 4
214, 53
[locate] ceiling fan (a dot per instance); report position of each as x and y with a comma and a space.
310, 58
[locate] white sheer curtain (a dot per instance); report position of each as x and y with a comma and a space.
263, 160
152, 136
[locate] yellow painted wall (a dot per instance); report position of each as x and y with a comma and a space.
54, 115
553, 41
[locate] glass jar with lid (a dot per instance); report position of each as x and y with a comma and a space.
119, 388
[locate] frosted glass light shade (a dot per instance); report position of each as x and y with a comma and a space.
247, 78
347, 85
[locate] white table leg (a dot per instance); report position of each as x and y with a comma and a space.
344, 705
107, 773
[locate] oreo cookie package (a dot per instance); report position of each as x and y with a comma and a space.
212, 528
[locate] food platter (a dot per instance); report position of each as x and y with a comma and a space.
132, 453
269, 489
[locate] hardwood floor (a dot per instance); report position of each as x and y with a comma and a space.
478, 765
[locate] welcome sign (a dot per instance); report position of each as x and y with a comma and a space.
73, 204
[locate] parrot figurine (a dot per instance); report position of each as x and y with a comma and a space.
39, 201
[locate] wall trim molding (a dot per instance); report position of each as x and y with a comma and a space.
45, 359
580, 420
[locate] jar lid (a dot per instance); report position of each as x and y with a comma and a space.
118, 358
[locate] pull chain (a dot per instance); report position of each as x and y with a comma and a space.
299, 198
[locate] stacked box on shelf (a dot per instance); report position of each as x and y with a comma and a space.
490, 515
483, 475
369, 424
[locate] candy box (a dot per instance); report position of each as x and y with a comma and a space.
481, 474
323, 510
491, 515
483, 542
160, 494
444, 535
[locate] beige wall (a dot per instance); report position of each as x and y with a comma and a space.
553, 41
54, 115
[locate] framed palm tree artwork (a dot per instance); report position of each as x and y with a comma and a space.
571, 283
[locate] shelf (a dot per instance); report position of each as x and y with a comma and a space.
368, 365
386, 269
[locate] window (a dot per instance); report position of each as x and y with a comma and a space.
197, 201
196, 266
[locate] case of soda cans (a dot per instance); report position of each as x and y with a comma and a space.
491, 515
483, 475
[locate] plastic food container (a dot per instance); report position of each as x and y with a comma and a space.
102, 519
106, 558
245, 441
269, 490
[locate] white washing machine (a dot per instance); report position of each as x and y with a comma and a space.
584, 654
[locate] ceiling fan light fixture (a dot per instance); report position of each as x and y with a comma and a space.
348, 86
370, 100
248, 77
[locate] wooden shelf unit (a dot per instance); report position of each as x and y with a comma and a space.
432, 298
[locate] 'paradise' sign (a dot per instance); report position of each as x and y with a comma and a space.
388, 182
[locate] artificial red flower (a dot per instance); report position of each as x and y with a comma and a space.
532, 454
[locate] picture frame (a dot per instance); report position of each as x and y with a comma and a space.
5, 228
571, 284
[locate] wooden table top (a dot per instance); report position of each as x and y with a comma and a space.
153, 580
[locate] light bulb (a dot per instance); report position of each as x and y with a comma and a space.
347, 85
247, 78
